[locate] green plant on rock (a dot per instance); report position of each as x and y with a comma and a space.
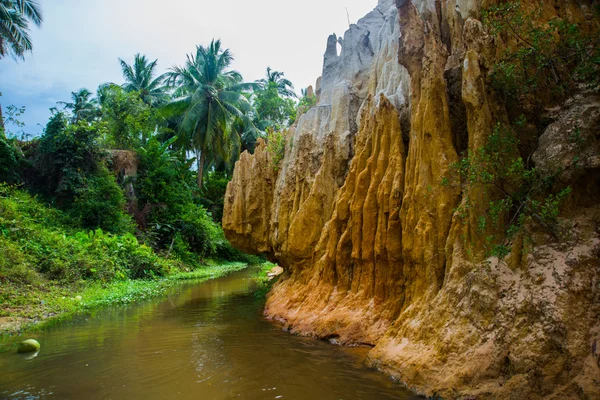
523, 199
307, 101
276, 142
540, 58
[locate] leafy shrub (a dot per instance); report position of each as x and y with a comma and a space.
100, 203
66, 155
10, 158
307, 101
276, 142
541, 58
180, 226
213, 194
129, 121
72, 174
276, 112
36, 242
525, 199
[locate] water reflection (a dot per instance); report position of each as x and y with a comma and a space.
207, 341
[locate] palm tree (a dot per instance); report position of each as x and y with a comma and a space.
15, 16
277, 79
209, 99
84, 107
140, 77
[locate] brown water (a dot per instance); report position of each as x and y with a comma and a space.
204, 341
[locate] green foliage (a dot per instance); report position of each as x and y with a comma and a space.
210, 98
66, 155
179, 225
277, 79
524, 198
10, 158
213, 194
274, 112
15, 16
71, 173
164, 175
307, 101
128, 120
100, 203
41, 244
274, 103
84, 107
139, 78
262, 280
540, 59
276, 142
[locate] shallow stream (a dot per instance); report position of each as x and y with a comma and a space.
203, 341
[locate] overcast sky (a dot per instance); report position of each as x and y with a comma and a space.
80, 41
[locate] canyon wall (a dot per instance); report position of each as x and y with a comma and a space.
373, 245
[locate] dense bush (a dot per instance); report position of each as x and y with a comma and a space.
542, 60
70, 172
128, 119
276, 142
36, 241
170, 212
276, 112
213, 194
524, 200
100, 204
10, 159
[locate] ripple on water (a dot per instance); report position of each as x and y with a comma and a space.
206, 341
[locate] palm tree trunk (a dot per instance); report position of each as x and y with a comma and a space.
1, 119
200, 158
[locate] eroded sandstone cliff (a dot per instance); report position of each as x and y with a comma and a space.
374, 248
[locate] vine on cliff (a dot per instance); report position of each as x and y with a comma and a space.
525, 199
276, 146
540, 59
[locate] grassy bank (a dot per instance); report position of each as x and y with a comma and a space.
34, 308
263, 280
51, 270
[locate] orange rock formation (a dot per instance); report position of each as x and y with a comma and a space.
373, 248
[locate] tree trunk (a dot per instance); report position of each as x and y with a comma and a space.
200, 158
1, 119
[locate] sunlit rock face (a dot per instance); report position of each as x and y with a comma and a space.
373, 247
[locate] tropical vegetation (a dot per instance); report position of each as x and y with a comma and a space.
15, 17
209, 98
127, 181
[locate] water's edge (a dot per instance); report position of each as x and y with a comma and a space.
209, 338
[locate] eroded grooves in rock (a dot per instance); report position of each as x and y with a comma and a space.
345, 295
248, 202
374, 248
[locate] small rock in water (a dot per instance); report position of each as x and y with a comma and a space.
28, 346
276, 271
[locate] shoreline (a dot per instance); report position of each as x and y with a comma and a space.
57, 304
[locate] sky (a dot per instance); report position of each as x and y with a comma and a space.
80, 42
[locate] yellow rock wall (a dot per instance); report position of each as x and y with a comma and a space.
374, 250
